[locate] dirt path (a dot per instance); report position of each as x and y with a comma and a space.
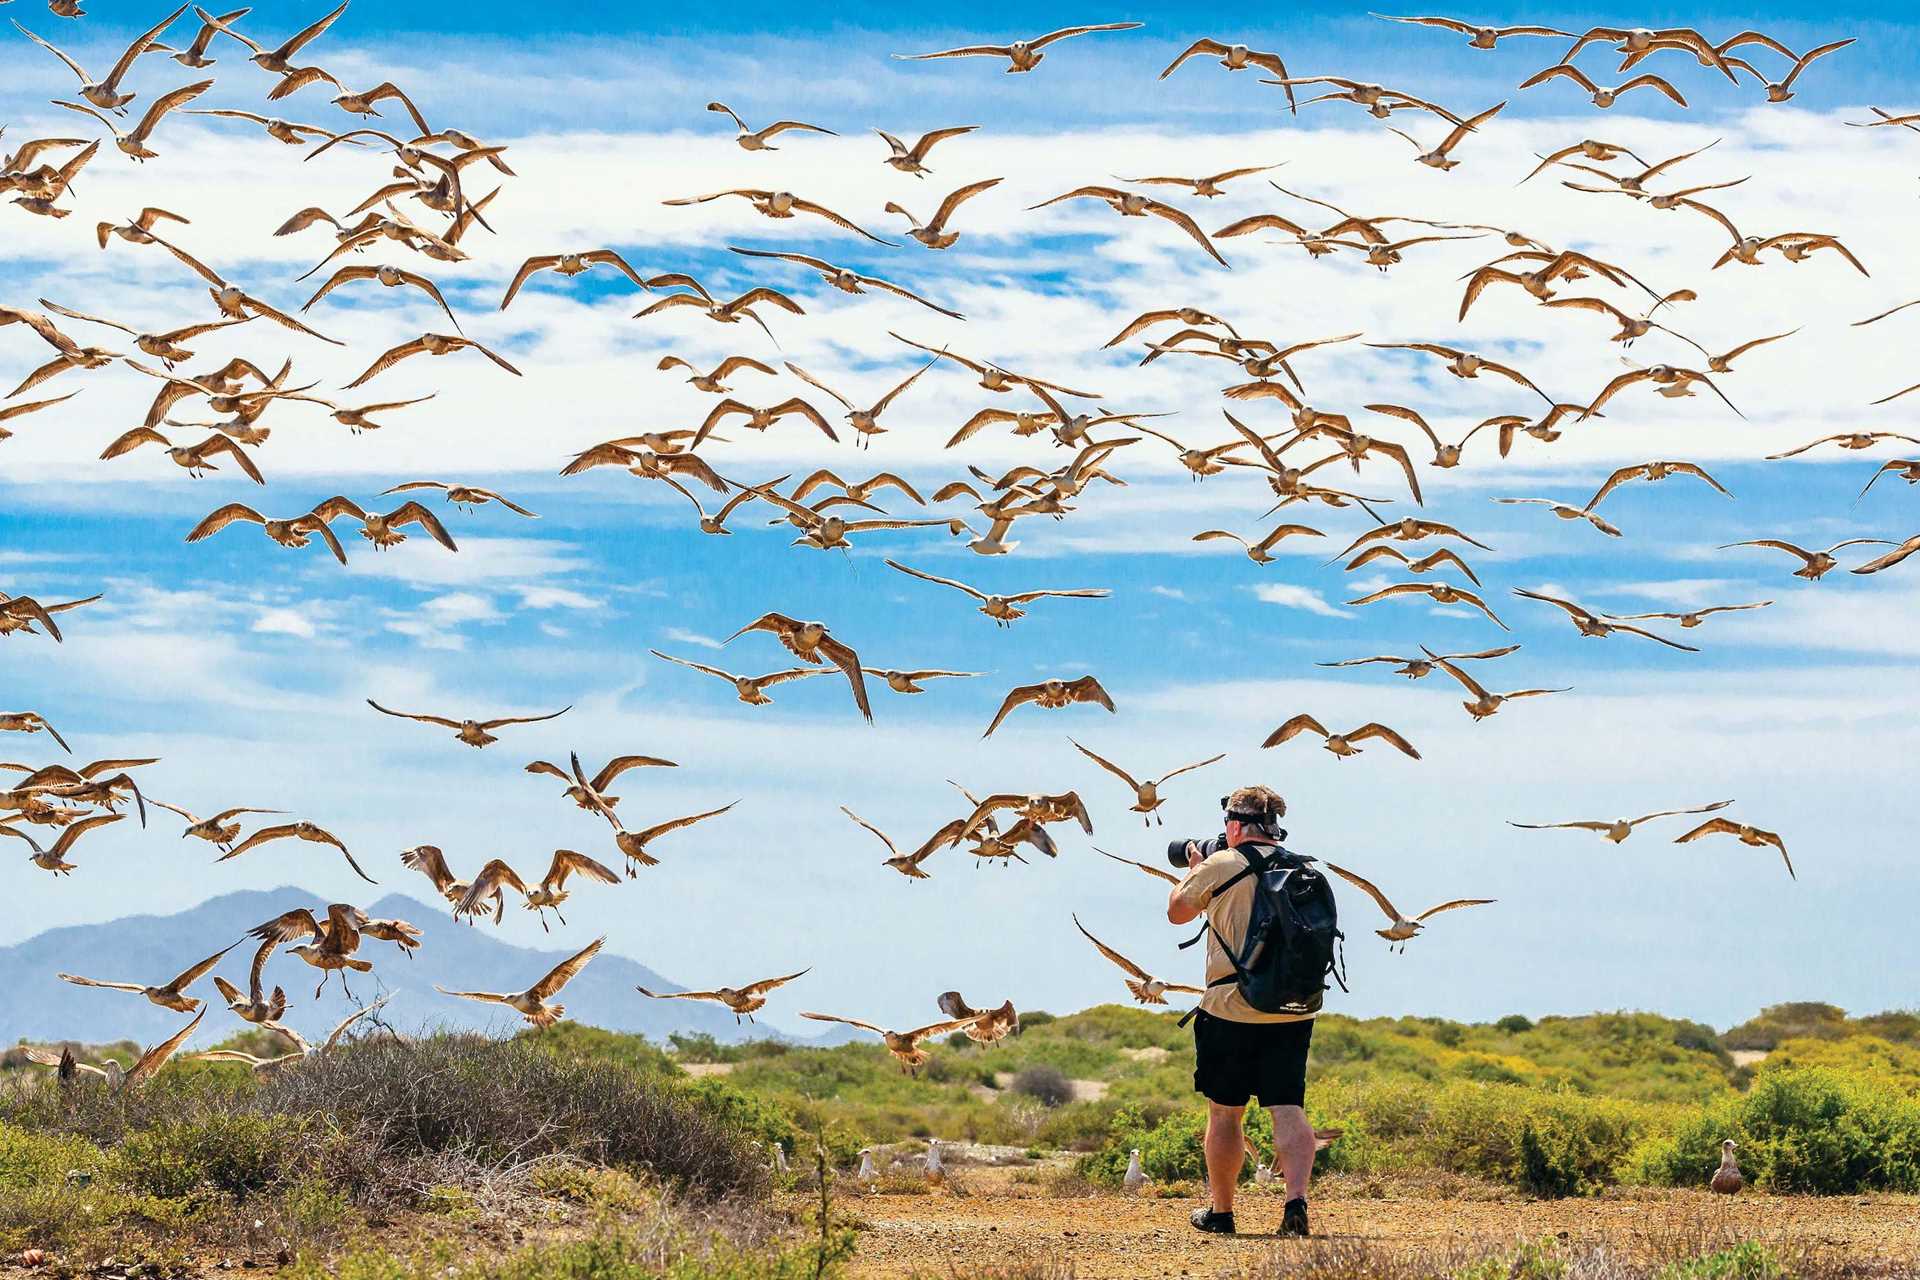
998, 1222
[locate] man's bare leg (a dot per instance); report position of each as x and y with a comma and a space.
1292, 1148
1226, 1151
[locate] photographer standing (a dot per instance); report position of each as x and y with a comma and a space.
1239, 1050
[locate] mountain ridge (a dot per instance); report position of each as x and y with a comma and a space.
36, 1005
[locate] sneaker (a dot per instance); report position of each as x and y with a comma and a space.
1293, 1220
1205, 1219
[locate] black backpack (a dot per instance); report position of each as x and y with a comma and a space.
1292, 943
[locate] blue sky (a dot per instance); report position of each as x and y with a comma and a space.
245, 665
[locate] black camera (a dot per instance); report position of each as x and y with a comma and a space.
1177, 850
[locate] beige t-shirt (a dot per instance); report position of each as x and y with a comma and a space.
1227, 913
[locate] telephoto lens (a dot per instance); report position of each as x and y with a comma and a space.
1177, 850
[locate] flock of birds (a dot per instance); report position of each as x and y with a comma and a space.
431, 215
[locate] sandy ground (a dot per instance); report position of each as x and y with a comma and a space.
999, 1222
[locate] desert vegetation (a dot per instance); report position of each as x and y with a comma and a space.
1559, 1107
582, 1152
551, 1162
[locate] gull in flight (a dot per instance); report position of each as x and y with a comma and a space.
1146, 795
1401, 927
844, 279
908, 865
989, 1025
1420, 668
912, 159
139, 1073
591, 794
569, 264
301, 830
813, 644
475, 733
903, 1045
1146, 988
1620, 828
1053, 694
742, 1000
1021, 55
535, 1004
32, 722
105, 93
54, 858
1594, 625
750, 689
756, 139
1753, 837
933, 233
1814, 565
1132, 204
216, 830
171, 995
634, 843
1341, 744
1158, 873
1483, 704
1004, 609
1260, 552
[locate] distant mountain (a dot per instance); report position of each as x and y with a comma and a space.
36, 1005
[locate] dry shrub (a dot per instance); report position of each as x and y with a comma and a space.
501, 1103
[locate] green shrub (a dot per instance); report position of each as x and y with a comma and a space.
1794, 1020
590, 1185
1811, 1130
756, 1115
1077, 1126
583, 1043
1170, 1149
1746, 1261
1534, 1260
237, 1154
29, 1159
1549, 1144
608, 1253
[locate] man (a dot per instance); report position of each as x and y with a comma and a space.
1240, 1052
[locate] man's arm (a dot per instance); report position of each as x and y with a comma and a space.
1179, 910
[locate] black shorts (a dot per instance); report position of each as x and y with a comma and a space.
1234, 1061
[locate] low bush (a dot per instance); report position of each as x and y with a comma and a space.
654, 1250
1748, 1260
1046, 1085
237, 1154
1799, 1129
499, 1101
1076, 1126
1548, 1144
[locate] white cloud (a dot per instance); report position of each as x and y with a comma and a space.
284, 622
421, 562
459, 607
428, 634
680, 635
1290, 596
556, 598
